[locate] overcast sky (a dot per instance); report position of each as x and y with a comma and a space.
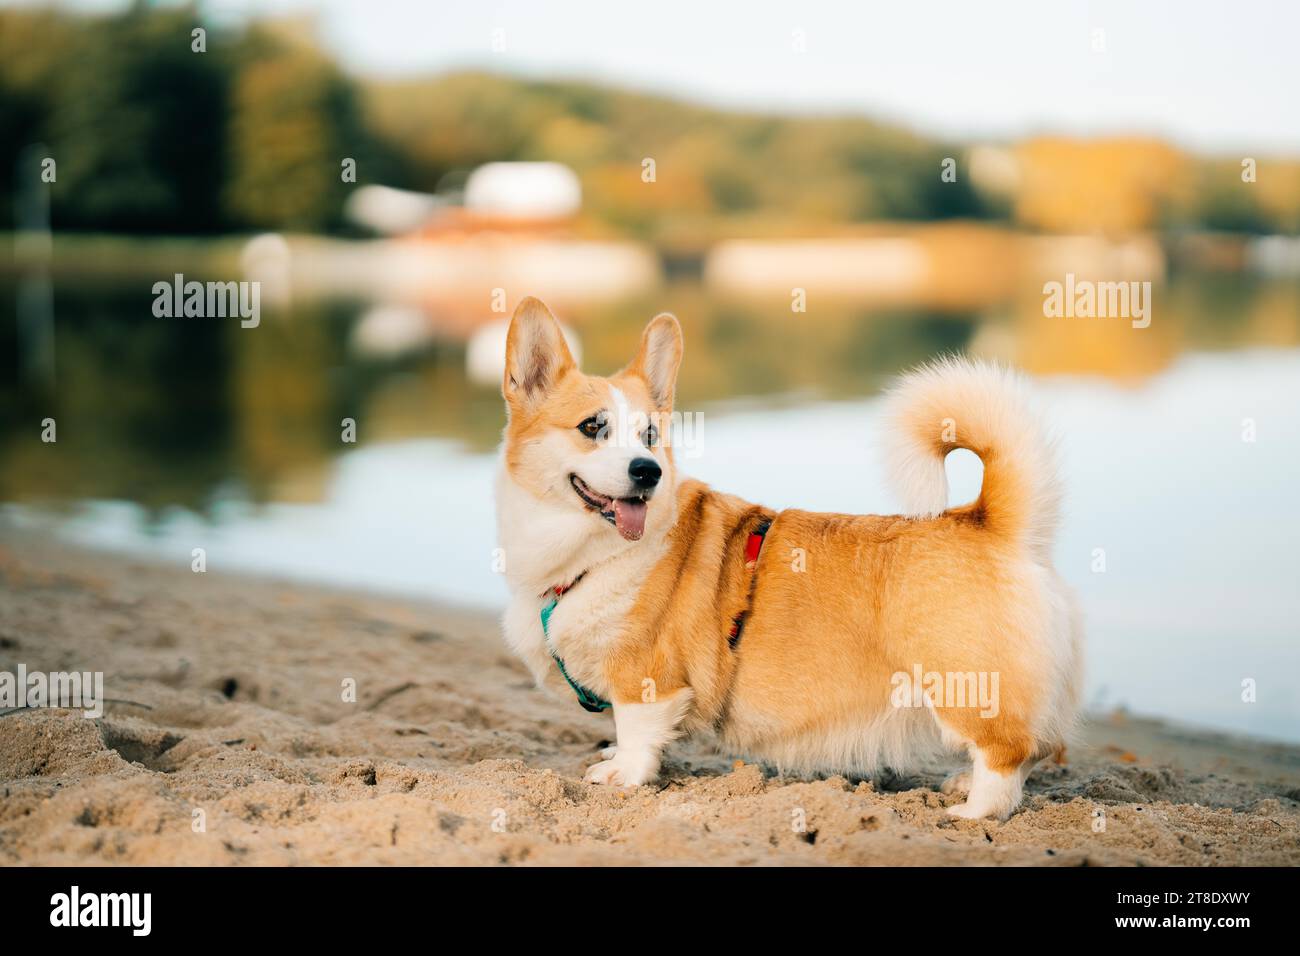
1220, 77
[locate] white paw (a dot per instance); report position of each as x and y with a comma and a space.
624, 769
609, 752
977, 811
956, 783
966, 812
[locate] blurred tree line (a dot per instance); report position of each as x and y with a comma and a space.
711, 167
152, 137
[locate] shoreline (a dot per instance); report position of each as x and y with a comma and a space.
228, 739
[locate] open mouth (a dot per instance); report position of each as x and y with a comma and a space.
625, 514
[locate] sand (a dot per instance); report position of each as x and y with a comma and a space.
228, 742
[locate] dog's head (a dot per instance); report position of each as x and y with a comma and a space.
596, 445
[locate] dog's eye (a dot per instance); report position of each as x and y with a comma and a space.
650, 436
592, 427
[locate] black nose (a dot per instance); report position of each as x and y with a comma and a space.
644, 472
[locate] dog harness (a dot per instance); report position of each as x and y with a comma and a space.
590, 700
753, 545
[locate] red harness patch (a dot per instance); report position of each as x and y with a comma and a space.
753, 545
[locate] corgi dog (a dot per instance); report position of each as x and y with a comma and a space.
812, 642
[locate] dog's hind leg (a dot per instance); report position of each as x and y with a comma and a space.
995, 789
1001, 750
996, 780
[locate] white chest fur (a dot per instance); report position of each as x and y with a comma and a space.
547, 543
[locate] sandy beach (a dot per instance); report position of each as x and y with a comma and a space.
227, 740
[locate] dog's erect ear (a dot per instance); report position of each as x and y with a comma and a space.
659, 358
536, 354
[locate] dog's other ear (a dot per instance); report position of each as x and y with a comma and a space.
536, 354
659, 358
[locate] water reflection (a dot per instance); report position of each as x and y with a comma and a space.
191, 412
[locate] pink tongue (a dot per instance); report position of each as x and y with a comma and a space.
629, 518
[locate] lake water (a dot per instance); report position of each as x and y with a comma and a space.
1180, 449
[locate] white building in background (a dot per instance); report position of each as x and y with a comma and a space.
523, 191
494, 193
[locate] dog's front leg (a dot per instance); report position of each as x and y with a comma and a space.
643, 730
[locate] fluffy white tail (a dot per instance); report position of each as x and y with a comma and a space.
959, 403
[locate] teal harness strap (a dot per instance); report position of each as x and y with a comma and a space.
586, 698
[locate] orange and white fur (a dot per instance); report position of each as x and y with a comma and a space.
837, 605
